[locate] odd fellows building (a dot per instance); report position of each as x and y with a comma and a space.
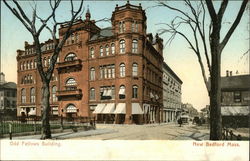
113, 74
235, 100
171, 95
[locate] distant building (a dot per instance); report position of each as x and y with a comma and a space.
171, 95
235, 100
8, 92
188, 109
114, 73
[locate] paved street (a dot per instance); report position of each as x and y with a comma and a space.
169, 131
150, 132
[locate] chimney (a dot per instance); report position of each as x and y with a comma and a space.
227, 73
26, 43
231, 73
2, 78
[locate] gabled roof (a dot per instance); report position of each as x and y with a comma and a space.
235, 82
9, 85
105, 32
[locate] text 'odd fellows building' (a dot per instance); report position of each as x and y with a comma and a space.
114, 73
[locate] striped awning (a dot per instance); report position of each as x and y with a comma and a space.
136, 109
99, 108
71, 109
109, 108
235, 110
120, 108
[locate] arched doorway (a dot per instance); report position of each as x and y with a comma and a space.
71, 111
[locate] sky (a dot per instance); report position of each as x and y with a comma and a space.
177, 55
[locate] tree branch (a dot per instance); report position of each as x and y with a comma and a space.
221, 12
211, 10
14, 11
234, 25
175, 9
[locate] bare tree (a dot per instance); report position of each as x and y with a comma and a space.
31, 26
210, 47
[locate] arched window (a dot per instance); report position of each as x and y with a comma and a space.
135, 91
92, 53
76, 36
92, 94
135, 69
21, 66
134, 46
31, 79
92, 74
71, 84
24, 65
31, 65
72, 38
122, 92
28, 65
122, 46
107, 49
134, 26
122, 70
44, 62
112, 48
35, 63
54, 98
101, 51
48, 61
32, 95
70, 57
23, 95
121, 26
25, 80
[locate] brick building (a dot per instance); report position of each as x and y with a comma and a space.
171, 95
113, 73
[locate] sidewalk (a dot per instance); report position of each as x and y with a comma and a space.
66, 135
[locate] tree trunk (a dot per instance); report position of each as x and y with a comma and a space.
46, 133
215, 92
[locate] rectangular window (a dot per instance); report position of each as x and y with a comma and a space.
23, 99
92, 94
101, 72
237, 96
113, 71
107, 71
107, 92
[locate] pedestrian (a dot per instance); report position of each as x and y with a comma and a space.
179, 121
